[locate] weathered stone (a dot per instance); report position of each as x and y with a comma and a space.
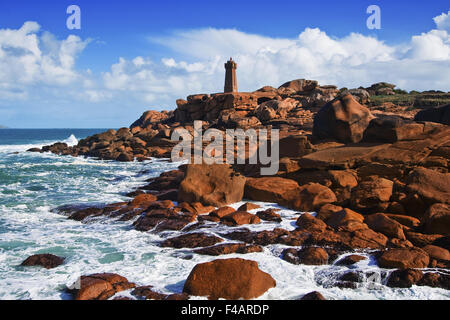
228, 279
404, 258
372, 194
223, 249
381, 223
313, 296
48, 261
101, 286
343, 119
438, 219
309, 223
350, 260
432, 186
215, 185
311, 197
192, 240
240, 218
404, 278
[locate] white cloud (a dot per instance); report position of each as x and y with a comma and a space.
27, 58
443, 21
350, 61
35, 65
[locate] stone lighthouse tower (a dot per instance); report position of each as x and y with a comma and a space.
230, 76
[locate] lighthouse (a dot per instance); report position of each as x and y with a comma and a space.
230, 76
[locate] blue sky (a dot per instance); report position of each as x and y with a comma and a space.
131, 56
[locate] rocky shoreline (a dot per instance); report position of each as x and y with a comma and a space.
377, 177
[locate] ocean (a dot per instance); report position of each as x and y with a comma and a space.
33, 184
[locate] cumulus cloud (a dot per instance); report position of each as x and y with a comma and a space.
27, 58
31, 59
349, 61
443, 21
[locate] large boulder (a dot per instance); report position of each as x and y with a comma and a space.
404, 278
295, 146
312, 256
392, 129
240, 218
438, 219
231, 279
275, 109
215, 185
387, 226
404, 258
147, 119
439, 115
191, 240
300, 85
343, 119
101, 286
372, 194
271, 189
48, 261
311, 197
431, 185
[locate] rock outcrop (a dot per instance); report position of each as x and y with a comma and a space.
48, 261
216, 185
343, 119
230, 279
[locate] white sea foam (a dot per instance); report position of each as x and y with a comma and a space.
70, 141
28, 227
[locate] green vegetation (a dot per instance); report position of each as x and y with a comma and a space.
413, 100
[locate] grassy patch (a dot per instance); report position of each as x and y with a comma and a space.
416, 100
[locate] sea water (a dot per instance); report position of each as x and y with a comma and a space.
32, 184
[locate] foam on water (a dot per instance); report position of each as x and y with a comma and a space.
31, 185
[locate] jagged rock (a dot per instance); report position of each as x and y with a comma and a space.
295, 146
437, 253
439, 115
431, 185
350, 260
240, 218
222, 212
343, 119
381, 223
309, 223
101, 286
308, 256
148, 293
300, 85
269, 215
215, 185
404, 258
404, 278
392, 129
311, 197
341, 218
248, 207
437, 219
223, 249
372, 194
192, 240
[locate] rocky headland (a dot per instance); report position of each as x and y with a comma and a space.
367, 170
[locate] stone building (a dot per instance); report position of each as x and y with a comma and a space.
230, 76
